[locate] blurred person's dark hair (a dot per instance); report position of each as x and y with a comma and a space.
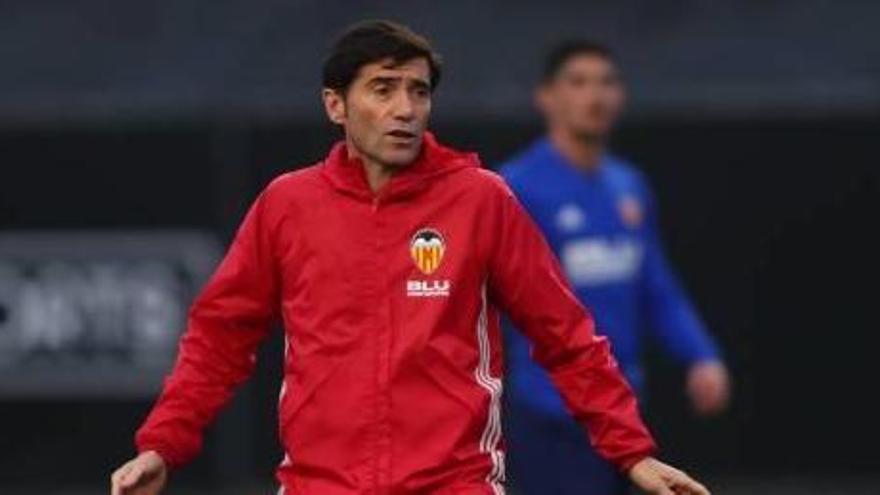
562, 52
371, 41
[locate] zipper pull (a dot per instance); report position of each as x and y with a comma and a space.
375, 203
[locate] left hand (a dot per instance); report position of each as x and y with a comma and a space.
708, 386
656, 478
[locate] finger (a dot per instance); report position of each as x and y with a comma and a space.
658, 487
699, 489
116, 478
117, 475
688, 486
132, 477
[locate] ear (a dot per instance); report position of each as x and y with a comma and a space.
334, 105
541, 98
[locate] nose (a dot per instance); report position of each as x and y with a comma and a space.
404, 108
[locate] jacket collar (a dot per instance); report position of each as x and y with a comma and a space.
347, 174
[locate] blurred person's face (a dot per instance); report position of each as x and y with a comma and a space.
384, 111
585, 98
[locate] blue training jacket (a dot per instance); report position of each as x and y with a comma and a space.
602, 225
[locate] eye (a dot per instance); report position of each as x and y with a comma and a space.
577, 80
382, 90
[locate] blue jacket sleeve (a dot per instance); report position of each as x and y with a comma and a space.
672, 319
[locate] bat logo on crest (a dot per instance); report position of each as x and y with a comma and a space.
427, 248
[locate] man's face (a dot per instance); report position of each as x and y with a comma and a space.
385, 110
586, 96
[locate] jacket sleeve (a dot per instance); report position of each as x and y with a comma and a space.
226, 324
526, 281
673, 320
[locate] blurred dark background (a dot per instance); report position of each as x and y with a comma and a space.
757, 122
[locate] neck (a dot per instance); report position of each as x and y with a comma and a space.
378, 174
584, 152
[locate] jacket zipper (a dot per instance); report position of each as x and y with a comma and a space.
381, 476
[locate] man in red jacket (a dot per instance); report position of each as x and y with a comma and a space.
389, 262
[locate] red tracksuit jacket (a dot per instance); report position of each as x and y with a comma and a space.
390, 304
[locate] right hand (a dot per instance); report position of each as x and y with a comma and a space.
143, 475
708, 385
657, 478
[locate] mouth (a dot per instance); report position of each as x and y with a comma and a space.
402, 135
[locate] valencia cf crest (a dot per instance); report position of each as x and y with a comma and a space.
631, 212
427, 248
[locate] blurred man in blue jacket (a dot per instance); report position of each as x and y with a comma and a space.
598, 214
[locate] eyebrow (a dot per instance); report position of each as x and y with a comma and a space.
421, 83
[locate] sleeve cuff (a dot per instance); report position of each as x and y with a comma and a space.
624, 464
172, 462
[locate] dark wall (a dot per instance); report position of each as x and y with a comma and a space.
771, 223
90, 60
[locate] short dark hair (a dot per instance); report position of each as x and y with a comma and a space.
370, 41
560, 53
